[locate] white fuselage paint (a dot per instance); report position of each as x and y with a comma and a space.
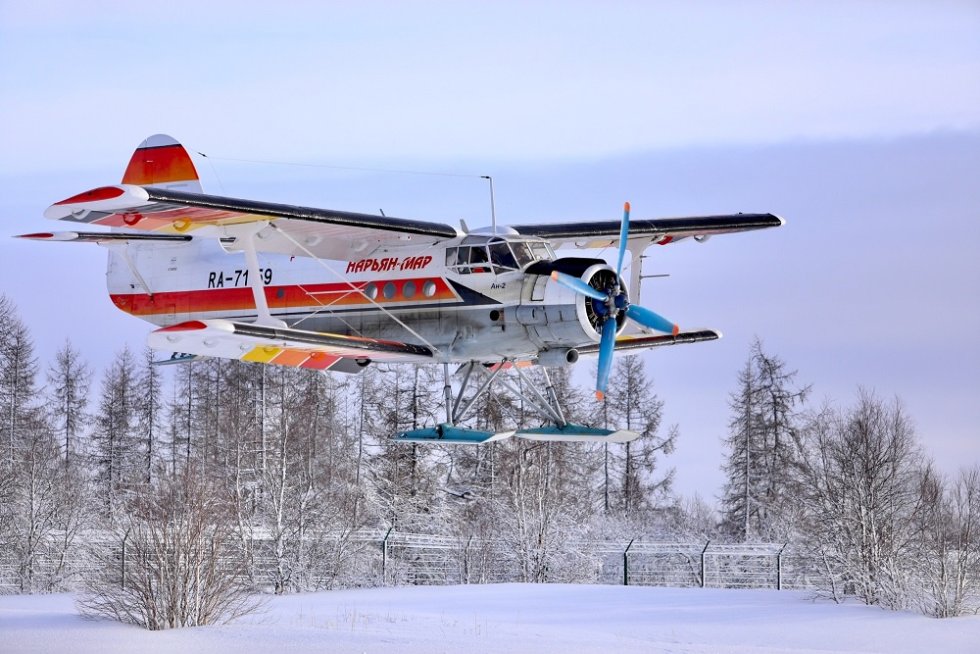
468, 312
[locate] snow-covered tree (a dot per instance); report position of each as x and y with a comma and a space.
757, 500
67, 397
630, 480
149, 413
18, 373
115, 452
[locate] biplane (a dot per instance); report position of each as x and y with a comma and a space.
332, 290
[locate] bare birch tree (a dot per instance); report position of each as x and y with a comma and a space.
862, 500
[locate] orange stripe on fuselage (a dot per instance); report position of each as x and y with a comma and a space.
308, 296
158, 165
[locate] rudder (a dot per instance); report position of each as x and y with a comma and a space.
162, 161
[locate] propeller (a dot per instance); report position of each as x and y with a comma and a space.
609, 303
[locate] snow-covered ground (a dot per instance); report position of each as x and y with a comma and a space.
538, 618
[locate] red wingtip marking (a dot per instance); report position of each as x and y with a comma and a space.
626, 206
184, 326
554, 275
676, 330
38, 235
101, 193
599, 395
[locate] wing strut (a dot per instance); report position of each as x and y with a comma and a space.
245, 234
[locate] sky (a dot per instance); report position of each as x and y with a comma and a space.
858, 122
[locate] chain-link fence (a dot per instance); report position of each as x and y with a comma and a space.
372, 558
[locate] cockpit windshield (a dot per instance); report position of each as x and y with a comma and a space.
495, 254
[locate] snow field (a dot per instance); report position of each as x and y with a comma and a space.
538, 618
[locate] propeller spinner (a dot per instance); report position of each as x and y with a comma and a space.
608, 303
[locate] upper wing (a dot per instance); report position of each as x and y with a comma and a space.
292, 230
603, 233
343, 235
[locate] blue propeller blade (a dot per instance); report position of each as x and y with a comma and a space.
651, 319
624, 231
578, 286
606, 348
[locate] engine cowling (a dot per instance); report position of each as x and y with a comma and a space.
556, 317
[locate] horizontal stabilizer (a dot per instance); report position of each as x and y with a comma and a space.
450, 434
577, 433
106, 237
282, 346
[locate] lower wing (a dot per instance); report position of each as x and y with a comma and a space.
625, 343
282, 346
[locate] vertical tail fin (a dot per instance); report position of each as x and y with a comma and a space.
148, 268
161, 161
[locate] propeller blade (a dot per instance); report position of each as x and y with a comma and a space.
607, 346
577, 285
651, 319
624, 231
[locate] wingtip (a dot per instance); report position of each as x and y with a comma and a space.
626, 207
554, 275
676, 330
599, 395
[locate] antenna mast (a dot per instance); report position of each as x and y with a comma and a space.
493, 211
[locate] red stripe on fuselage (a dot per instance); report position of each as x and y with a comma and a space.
307, 296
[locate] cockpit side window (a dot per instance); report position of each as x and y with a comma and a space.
522, 253
502, 258
540, 251
502, 255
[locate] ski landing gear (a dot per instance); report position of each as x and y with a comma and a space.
546, 403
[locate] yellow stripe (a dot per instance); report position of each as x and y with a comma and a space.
262, 354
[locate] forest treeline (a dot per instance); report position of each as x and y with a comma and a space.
191, 461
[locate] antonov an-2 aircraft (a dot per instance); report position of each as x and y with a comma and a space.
334, 290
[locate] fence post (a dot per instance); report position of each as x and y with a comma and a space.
779, 567
626, 563
122, 562
702, 561
384, 557
466, 560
